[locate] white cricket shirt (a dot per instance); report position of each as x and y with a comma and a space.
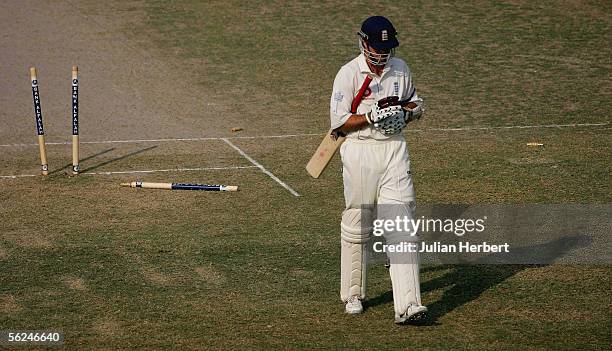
396, 80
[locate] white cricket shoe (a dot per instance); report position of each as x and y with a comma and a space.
353, 305
414, 314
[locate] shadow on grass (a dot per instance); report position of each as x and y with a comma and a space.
468, 282
82, 160
89, 169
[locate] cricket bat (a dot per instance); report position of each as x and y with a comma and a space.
325, 152
332, 140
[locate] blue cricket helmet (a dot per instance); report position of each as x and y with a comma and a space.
379, 33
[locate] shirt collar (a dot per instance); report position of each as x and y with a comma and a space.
364, 68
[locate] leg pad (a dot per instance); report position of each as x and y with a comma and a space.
353, 263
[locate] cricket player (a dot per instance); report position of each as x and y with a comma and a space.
376, 165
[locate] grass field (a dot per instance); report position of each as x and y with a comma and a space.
118, 268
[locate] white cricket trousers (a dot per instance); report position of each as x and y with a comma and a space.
376, 172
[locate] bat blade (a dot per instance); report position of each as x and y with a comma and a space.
331, 142
324, 153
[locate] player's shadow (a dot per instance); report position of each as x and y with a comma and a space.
89, 169
468, 282
83, 160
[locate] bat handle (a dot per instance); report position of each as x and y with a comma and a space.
336, 133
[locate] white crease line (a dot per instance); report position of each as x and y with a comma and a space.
18, 176
159, 140
138, 171
262, 168
275, 136
571, 125
145, 140
511, 127
168, 170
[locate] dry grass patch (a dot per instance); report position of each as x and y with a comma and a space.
31, 238
209, 274
9, 304
76, 283
107, 327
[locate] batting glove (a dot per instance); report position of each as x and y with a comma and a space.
381, 110
392, 124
